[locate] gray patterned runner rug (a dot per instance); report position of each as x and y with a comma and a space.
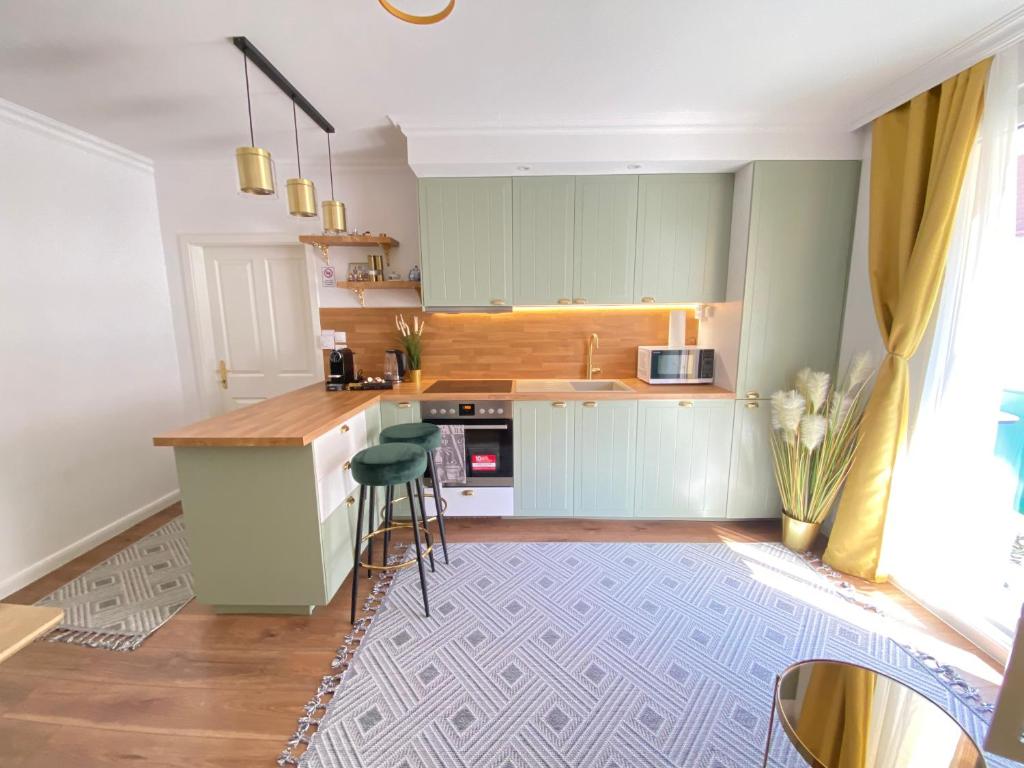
120, 602
595, 656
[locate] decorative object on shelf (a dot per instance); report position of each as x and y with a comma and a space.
333, 218
815, 430
358, 271
376, 267
301, 192
412, 18
412, 341
255, 166
414, 273
393, 276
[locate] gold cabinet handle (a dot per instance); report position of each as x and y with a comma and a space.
498, 302
350, 501
347, 466
647, 300
345, 428
565, 301
579, 301
468, 492
752, 405
590, 404
753, 395
222, 373
558, 404
686, 403
405, 405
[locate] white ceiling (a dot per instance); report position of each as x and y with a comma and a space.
160, 77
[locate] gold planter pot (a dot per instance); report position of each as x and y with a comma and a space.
797, 535
413, 376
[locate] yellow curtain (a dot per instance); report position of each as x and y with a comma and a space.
919, 154
835, 717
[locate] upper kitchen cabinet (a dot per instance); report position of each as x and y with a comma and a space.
466, 242
798, 260
682, 240
605, 239
543, 210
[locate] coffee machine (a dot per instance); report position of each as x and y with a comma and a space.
341, 364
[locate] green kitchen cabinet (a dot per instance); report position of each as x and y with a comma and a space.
682, 239
466, 242
605, 457
682, 459
752, 489
543, 211
801, 216
545, 443
605, 239
394, 412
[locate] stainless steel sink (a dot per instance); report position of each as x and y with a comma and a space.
599, 385
576, 385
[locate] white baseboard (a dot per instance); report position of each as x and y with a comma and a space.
36, 571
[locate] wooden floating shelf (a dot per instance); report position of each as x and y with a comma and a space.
323, 242
358, 287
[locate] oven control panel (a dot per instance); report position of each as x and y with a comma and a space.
472, 409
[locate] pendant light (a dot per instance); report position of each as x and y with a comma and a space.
301, 192
432, 18
333, 210
255, 169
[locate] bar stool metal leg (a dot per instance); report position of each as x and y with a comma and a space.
419, 556
355, 558
423, 519
437, 503
389, 496
372, 513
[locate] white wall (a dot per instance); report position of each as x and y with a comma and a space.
201, 198
87, 347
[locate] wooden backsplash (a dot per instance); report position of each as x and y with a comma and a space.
531, 344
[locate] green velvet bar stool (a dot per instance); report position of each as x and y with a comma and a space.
385, 466
427, 437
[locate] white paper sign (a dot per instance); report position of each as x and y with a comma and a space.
327, 276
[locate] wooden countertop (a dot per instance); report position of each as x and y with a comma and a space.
298, 418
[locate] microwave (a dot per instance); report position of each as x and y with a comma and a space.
675, 365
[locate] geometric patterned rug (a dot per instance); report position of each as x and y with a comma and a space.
120, 602
596, 656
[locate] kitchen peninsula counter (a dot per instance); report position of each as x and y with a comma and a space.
300, 417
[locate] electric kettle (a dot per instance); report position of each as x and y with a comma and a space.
394, 365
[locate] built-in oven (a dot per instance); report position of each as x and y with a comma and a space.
475, 460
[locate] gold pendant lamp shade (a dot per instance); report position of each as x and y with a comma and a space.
301, 192
255, 168
333, 210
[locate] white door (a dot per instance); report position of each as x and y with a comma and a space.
261, 321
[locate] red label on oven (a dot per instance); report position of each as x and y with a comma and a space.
483, 462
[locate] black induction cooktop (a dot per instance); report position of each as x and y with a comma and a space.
459, 386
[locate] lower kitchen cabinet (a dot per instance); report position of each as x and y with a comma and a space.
752, 489
682, 460
605, 457
545, 440
399, 412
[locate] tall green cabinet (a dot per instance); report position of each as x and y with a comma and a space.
466, 242
797, 252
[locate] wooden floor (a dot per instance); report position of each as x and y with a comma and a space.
208, 690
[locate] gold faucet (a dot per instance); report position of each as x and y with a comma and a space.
591, 346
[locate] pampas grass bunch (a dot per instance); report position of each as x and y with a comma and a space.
815, 431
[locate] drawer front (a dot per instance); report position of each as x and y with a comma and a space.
332, 456
476, 502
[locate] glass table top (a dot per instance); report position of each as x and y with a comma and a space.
840, 715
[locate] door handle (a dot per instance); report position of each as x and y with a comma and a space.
752, 405
405, 405
347, 465
222, 372
468, 492
579, 301
565, 301
753, 395
559, 404
686, 403
590, 404
498, 302
647, 300
345, 428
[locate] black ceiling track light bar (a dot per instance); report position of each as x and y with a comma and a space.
263, 63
